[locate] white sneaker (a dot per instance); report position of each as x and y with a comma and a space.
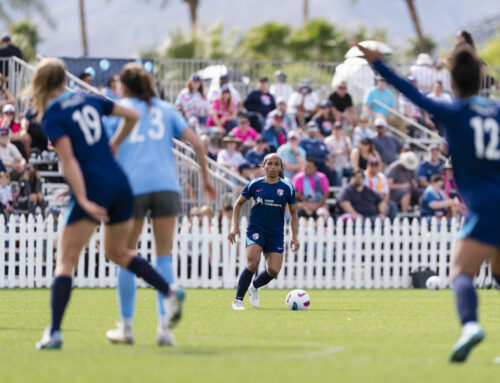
165, 338
120, 334
173, 306
472, 335
50, 341
253, 294
238, 305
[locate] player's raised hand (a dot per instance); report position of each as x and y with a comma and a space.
235, 231
370, 54
94, 210
294, 244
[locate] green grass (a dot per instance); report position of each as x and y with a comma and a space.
346, 336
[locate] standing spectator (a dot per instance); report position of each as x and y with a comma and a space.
292, 155
401, 178
280, 88
343, 108
325, 118
230, 156
216, 89
377, 181
381, 93
439, 95
443, 75
304, 103
223, 111
5, 195
387, 145
363, 130
423, 72
112, 90
432, 166
20, 139
87, 78
244, 131
5, 95
359, 201
340, 147
275, 134
259, 102
192, 100
311, 189
289, 122
361, 154
435, 202
255, 156
7, 50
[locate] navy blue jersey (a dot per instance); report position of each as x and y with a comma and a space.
472, 130
78, 116
268, 213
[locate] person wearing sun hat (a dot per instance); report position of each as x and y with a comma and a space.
402, 180
230, 156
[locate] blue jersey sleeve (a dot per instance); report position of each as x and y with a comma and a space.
247, 191
107, 105
53, 128
438, 109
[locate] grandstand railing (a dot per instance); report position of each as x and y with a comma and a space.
332, 255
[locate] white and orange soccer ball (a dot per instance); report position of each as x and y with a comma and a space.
298, 300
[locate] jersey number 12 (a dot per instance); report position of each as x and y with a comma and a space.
481, 127
89, 121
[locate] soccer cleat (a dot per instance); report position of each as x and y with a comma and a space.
120, 334
472, 335
50, 341
253, 293
173, 306
165, 338
238, 305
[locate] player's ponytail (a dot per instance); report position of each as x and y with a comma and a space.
49, 75
466, 71
138, 82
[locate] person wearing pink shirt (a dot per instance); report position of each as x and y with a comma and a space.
244, 131
311, 189
223, 111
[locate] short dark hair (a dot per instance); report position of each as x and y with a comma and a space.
84, 75
312, 160
356, 172
243, 115
466, 68
436, 178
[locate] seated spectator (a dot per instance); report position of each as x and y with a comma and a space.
359, 201
230, 156
227, 212
206, 212
435, 202
423, 71
292, 155
340, 147
304, 103
377, 181
112, 90
255, 156
210, 151
289, 122
381, 93
386, 144
23, 200
87, 78
343, 108
5, 196
450, 186
275, 133
315, 147
216, 89
361, 154
413, 112
30, 124
36, 195
5, 95
192, 100
246, 171
363, 130
10, 155
244, 131
401, 178
311, 189
280, 89
223, 112
19, 138
439, 95
432, 166
259, 102
325, 118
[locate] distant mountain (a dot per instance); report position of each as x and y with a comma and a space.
122, 28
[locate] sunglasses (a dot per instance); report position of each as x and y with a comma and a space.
341, 88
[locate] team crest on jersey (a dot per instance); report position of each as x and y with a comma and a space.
255, 236
280, 192
259, 201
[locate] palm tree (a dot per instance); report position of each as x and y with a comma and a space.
416, 24
305, 11
193, 13
83, 27
8, 6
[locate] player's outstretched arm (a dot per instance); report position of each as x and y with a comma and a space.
436, 108
235, 225
294, 223
130, 118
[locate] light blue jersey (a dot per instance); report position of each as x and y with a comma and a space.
146, 155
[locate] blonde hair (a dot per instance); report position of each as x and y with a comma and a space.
49, 75
138, 82
3, 80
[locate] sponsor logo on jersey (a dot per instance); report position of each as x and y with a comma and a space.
255, 236
259, 200
280, 192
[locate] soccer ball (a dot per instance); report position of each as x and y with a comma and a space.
433, 283
298, 300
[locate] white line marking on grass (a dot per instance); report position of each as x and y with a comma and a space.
309, 354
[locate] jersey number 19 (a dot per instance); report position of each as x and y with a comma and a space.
89, 121
481, 127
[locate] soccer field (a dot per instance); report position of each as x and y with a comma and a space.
346, 336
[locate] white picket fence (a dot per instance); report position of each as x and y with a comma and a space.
332, 254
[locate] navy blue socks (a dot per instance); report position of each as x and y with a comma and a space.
262, 279
243, 283
61, 291
496, 277
140, 267
466, 298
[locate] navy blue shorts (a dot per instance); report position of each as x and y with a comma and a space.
270, 243
117, 199
484, 227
